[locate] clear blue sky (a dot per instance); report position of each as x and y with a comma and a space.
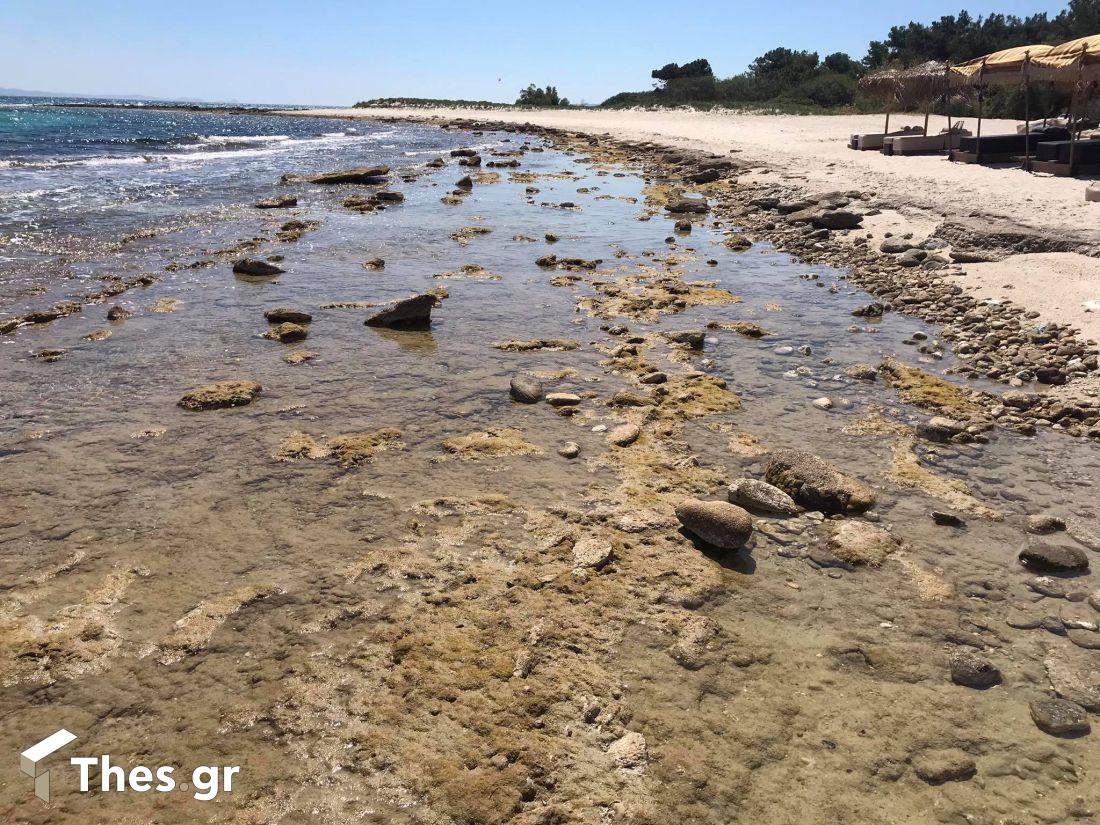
340, 51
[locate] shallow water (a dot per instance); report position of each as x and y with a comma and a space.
358, 627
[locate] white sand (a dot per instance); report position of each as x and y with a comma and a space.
915, 192
1075, 301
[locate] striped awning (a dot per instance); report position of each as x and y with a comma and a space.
1004, 67
1066, 63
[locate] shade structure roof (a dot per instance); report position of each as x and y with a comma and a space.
923, 83
1077, 59
882, 83
1004, 67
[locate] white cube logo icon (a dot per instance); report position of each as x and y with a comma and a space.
31, 761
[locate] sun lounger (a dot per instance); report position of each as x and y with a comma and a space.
1053, 157
874, 140
921, 144
1003, 148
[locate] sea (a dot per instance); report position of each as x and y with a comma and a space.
77, 175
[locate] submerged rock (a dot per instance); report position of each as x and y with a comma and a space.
287, 333
278, 202
628, 751
252, 266
945, 765
591, 552
570, 449
759, 495
971, 670
525, 388
281, 315
1060, 717
720, 523
1044, 523
816, 484
624, 435
858, 542
409, 313
221, 394
1054, 558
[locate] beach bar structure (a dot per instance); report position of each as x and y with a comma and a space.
1056, 150
917, 87
883, 85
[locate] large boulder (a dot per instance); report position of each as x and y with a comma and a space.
410, 313
221, 394
816, 484
724, 525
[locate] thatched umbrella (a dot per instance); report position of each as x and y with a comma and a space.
882, 84
922, 85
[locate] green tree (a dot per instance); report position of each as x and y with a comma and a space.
534, 96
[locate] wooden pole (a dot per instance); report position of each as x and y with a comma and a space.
981, 109
1027, 112
947, 98
1073, 130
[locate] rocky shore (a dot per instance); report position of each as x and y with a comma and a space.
997, 340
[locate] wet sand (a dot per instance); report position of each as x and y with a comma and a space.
381, 590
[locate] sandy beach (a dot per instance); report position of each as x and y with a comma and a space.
914, 193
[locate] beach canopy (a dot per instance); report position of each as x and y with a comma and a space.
1007, 66
882, 84
922, 84
1076, 60
910, 87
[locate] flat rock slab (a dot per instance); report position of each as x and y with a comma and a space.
220, 395
947, 765
361, 174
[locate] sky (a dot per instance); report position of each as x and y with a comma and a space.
337, 52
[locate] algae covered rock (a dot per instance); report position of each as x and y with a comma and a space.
220, 395
816, 484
